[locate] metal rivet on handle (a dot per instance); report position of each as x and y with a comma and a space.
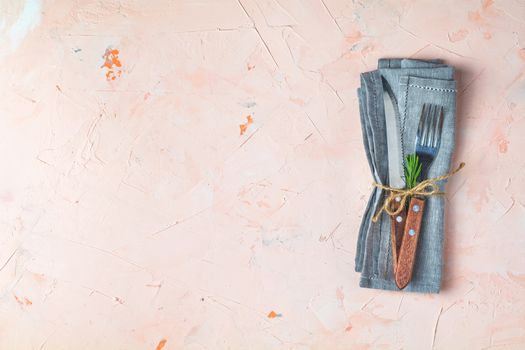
415, 208
411, 232
399, 218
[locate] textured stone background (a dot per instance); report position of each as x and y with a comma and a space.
134, 214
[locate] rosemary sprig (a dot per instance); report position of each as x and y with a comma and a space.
412, 170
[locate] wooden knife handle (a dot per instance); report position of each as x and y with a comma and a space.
407, 253
397, 229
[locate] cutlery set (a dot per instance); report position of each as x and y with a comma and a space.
407, 109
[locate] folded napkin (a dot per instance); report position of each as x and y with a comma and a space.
411, 84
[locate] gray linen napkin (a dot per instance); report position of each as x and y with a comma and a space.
413, 83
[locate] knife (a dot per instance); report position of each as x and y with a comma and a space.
395, 166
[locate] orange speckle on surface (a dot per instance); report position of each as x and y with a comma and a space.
250, 66
112, 64
348, 328
161, 344
24, 301
503, 146
487, 35
244, 127
273, 314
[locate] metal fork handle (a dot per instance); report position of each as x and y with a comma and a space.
426, 162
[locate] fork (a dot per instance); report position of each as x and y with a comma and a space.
428, 140
428, 137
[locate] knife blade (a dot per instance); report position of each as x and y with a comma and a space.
395, 165
393, 134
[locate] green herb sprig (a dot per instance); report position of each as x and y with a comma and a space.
412, 170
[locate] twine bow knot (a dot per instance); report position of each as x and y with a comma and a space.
425, 188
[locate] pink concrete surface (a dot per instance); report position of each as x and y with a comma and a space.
190, 174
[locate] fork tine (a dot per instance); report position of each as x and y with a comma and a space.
426, 124
433, 123
430, 120
421, 122
438, 128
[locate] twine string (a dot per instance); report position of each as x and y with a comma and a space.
425, 188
